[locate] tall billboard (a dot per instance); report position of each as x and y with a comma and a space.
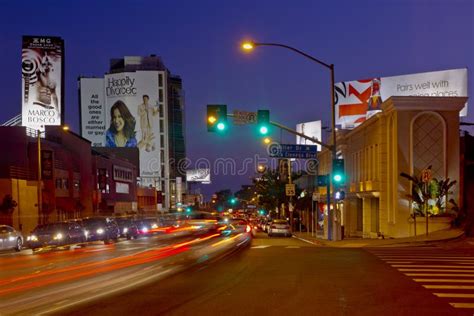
92, 109
311, 129
198, 175
357, 100
42, 68
122, 111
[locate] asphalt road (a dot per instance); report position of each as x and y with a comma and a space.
286, 276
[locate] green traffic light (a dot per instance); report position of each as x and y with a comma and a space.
263, 130
188, 209
233, 200
337, 177
221, 126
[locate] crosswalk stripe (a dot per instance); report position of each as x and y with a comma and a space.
441, 274
444, 280
464, 261
460, 295
430, 266
462, 305
449, 287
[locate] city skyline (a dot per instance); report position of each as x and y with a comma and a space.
200, 42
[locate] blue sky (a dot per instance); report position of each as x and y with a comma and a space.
199, 40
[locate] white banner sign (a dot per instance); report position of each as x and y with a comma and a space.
357, 100
311, 129
198, 175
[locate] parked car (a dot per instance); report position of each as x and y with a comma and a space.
128, 228
279, 227
10, 238
101, 229
56, 234
267, 224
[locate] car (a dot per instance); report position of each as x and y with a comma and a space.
235, 226
10, 238
128, 228
267, 224
147, 226
101, 229
56, 234
279, 227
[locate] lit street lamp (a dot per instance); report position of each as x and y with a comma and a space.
40, 193
250, 45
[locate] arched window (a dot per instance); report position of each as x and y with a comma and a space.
428, 144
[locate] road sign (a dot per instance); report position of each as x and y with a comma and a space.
244, 117
293, 151
290, 189
316, 196
426, 175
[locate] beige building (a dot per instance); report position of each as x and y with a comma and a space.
410, 134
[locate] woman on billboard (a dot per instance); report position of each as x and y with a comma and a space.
121, 132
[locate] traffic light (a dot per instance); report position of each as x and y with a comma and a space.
338, 174
216, 117
340, 195
263, 122
233, 201
188, 209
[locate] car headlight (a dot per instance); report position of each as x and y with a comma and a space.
58, 236
32, 238
100, 231
154, 226
145, 230
125, 230
11, 238
86, 233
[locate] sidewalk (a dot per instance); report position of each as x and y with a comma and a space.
442, 235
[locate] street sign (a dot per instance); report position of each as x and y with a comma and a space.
244, 117
316, 196
290, 189
293, 151
426, 175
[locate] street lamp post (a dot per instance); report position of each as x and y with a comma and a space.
250, 46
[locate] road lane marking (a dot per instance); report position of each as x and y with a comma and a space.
462, 305
444, 280
460, 295
261, 246
308, 241
427, 257
440, 274
292, 247
449, 287
464, 261
434, 270
430, 266
399, 262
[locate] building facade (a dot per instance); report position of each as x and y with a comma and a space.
409, 135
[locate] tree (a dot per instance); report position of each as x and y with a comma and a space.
431, 195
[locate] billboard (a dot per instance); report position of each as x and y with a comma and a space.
357, 100
42, 68
92, 109
198, 175
311, 129
132, 116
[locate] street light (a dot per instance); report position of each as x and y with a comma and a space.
39, 189
250, 45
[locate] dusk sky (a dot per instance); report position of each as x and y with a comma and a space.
199, 40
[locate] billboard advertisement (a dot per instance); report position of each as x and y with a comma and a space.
92, 109
311, 129
132, 116
42, 68
357, 100
198, 175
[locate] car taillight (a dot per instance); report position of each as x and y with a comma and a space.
248, 229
